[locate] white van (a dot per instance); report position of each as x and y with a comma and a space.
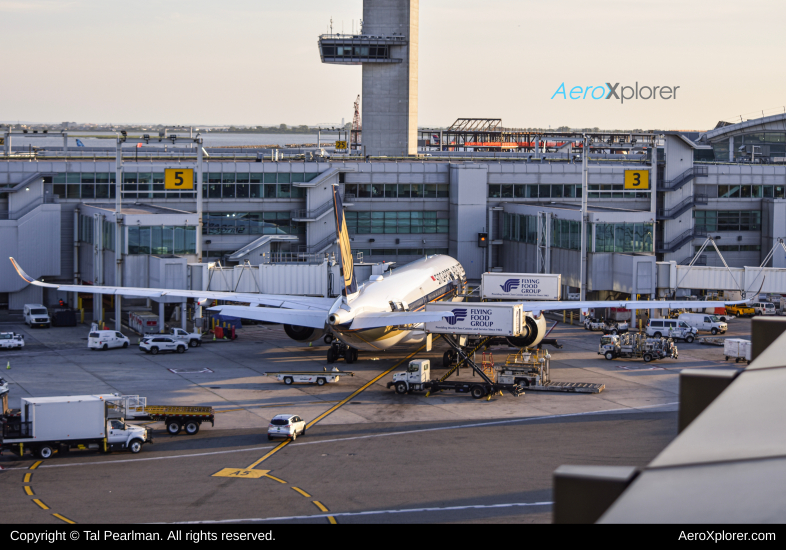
763, 308
37, 315
671, 328
704, 321
105, 339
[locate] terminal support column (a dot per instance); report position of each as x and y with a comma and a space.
584, 193
200, 159
119, 228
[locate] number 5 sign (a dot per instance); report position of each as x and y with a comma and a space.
637, 179
177, 178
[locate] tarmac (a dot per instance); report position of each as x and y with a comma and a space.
370, 455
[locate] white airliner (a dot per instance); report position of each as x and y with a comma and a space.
381, 313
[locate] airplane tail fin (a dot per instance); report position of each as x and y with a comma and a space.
345, 250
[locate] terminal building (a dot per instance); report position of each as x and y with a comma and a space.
404, 197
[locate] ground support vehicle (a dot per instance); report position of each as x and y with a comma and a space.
155, 344
175, 418
11, 340
105, 339
705, 321
192, 338
318, 378
64, 317
531, 370
607, 326
417, 377
339, 349
36, 315
635, 345
671, 328
740, 310
737, 348
143, 322
712, 341
49, 425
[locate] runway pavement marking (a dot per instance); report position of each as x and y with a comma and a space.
241, 473
377, 512
275, 478
29, 491
363, 387
28, 477
41, 504
408, 432
322, 508
65, 519
301, 491
36, 465
271, 453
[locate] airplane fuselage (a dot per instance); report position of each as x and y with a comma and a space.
408, 288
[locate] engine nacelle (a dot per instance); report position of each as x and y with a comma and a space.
534, 333
303, 334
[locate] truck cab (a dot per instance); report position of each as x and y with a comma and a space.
192, 338
416, 375
120, 435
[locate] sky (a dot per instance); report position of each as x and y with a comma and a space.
251, 62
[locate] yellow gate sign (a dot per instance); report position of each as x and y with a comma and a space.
2, 141
637, 179
179, 178
341, 145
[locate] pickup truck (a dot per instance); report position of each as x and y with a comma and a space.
740, 310
192, 338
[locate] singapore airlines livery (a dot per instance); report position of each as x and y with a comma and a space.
380, 313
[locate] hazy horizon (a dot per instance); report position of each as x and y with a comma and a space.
250, 63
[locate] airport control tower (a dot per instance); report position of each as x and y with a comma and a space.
387, 47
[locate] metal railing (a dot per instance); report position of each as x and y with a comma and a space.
681, 240
321, 245
701, 260
16, 214
675, 211
302, 214
294, 257
680, 181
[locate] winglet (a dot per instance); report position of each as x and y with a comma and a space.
27, 277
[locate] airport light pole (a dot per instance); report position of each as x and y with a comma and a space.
584, 193
118, 231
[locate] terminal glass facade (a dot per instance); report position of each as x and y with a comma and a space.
161, 239
727, 220
250, 223
398, 190
396, 222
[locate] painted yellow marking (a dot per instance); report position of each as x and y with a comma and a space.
41, 504
332, 520
241, 473
301, 491
275, 478
320, 506
36, 465
65, 519
359, 390
29, 491
271, 453
28, 477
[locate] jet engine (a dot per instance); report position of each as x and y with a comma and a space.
532, 335
303, 334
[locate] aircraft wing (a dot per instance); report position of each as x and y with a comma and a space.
274, 300
537, 307
300, 317
389, 319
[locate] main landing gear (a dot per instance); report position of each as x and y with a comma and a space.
340, 349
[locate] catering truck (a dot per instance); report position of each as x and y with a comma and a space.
48, 425
521, 286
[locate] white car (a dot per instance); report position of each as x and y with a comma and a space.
37, 315
154, 344
763, 308
286, 425
11, 340
105, 339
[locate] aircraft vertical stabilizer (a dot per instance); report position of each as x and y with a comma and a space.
345, 251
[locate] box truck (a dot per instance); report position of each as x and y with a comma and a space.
521, 286
48, 425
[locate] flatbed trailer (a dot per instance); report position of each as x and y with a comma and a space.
531, 369
318, 378
175, 417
